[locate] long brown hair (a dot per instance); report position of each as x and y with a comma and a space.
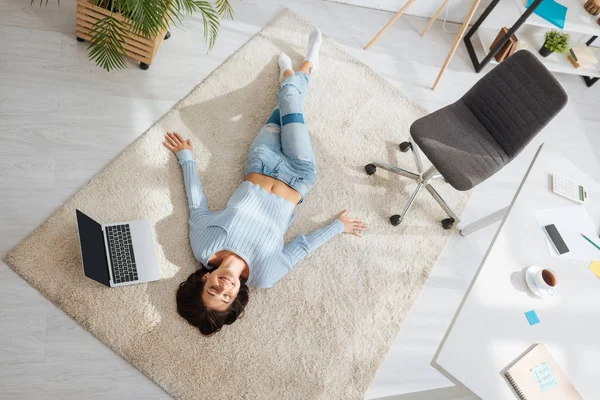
191, 306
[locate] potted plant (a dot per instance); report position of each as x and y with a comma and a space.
555, 41
136, 28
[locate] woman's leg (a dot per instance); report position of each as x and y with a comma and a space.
269, 134
268, 141
295, 140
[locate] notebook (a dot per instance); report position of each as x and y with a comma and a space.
551, 11
536, 376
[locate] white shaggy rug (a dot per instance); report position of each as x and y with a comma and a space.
323, 330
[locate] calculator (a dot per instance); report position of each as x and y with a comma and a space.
569, 189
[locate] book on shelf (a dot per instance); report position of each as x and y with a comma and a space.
509, 47
582, 56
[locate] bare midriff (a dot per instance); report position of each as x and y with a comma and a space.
274, 186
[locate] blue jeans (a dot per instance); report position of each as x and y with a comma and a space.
283, 149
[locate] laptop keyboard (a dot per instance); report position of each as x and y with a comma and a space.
121, 253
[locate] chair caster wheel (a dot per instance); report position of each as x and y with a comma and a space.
167, 35
405, 146
80, 39
370, 169
448, 223
144, 66
395, 220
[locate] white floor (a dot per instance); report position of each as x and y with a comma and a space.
62, 119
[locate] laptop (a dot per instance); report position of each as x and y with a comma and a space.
117, 254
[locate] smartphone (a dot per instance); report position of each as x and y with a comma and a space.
556, 239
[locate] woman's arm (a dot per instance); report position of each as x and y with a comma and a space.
183, 150
303, 245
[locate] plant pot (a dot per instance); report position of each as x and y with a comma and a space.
137, 47
544, 51
592, 7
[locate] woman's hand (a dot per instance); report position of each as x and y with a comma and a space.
354, 226
175, 143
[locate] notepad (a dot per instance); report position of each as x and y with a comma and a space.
536, 376
551, 11
595, 267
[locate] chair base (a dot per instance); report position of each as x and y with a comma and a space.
423, 179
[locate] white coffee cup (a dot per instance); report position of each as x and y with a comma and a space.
545, 279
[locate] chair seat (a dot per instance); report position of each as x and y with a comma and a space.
464, 151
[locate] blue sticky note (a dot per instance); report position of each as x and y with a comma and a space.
532, 317
544, 377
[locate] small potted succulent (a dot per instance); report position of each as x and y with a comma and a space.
555, 42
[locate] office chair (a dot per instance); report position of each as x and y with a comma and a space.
473, 138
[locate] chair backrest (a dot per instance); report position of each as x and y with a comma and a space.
516, 100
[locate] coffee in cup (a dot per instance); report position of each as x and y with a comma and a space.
545, 279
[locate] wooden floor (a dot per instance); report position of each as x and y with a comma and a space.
62, 119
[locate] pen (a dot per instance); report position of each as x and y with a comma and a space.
588, 239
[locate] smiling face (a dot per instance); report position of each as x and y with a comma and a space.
221, 287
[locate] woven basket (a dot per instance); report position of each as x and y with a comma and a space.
137, 47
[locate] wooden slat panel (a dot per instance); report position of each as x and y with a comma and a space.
104, 13
94, 16
92, 13
133, 49
131, 39
157, 46
129, 51
136, 47
143, 48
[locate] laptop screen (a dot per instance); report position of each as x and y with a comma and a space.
91, 240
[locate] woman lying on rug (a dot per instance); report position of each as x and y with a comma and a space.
243, 243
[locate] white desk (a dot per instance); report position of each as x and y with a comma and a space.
490, 330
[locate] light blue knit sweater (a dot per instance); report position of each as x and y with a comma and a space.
251, 225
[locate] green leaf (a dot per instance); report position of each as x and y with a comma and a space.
187, 7
149, 17
224, 9
210, 19
106, 46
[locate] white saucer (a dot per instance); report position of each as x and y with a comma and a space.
530, 280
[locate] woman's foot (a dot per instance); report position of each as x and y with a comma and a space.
312, 50
285, 64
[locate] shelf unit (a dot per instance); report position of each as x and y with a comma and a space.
579, 24
578, 19
535, 38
